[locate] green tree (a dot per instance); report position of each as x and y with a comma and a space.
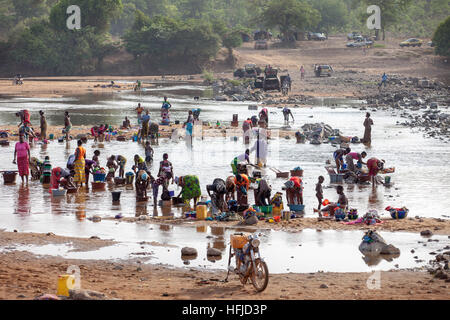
29, 8
392, 12
125, 21
232, 39
163, 41
141, 21
441, 38
333, 14
94, 13
289, 16
194, 8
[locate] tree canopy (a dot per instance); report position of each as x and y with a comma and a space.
33, 33
441, 38
290, 16
94, 13
163, 40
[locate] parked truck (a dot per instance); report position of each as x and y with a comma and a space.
271, 79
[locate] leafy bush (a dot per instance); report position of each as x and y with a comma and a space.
163, 40
208, 76
441, 39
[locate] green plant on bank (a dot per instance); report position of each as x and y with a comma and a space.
234, 82
379, 45
208, 75
240, 82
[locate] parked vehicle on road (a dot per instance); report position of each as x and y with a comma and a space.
358, 44
316, 36
412, 42
323, 70
354, 36
271, 80
261, 45
249, 71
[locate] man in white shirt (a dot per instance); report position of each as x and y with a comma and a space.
261, 147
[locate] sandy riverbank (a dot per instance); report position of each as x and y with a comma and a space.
416, 225
164, 131
56, 87
356, 73
24, 275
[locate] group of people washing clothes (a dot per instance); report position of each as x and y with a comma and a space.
144, 117
354, 172
26, 129
225, 194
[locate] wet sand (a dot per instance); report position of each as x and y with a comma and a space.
164, 131
25, 276
415, 225
55, 87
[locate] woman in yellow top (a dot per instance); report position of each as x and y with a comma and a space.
79, 165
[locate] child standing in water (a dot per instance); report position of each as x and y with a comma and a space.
47, 171
148, 154
341, 203
319, 191
95, 157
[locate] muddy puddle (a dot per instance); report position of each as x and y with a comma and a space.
300, 252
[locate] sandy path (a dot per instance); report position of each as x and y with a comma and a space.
55, 87
435, 225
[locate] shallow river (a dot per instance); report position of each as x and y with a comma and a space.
421, 181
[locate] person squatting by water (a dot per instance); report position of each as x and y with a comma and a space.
342, 203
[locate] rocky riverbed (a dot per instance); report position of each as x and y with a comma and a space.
424, 103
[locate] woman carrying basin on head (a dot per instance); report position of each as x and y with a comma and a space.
165, 115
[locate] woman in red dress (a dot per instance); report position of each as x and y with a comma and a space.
22, 154
374, 165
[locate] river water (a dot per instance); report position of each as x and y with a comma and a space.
421, 181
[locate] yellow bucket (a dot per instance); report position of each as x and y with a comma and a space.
202, 212
65, 283
276, 211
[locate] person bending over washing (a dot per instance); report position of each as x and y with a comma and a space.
218, 189
341, 203
355, 156
338, 156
